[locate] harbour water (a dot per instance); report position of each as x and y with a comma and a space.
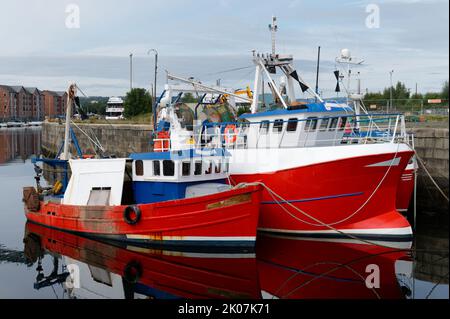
35, 262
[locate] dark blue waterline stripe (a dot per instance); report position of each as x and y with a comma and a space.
212, 246
312, 199
380, 237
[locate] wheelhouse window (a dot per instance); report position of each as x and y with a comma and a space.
139, 168
324, 124
334, 122
292, 125
198, 168
342, 123
186, 168
169, 168
264, 129
311, 124
217, 167
226, 167
278, 126
156, 168
208, 168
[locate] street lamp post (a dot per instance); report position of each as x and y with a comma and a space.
131, 71
390, 92
154, 84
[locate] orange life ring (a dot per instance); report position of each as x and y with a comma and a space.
230, 139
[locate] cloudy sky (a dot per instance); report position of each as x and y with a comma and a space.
201, 38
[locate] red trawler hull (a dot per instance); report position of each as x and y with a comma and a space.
355, 195
224, 219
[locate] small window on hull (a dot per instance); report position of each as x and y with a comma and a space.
311, 124
292, 125
334, 122
208, 168
324, 125
342, 123
278, 126
156, 168
186, 169
139, 166
198, 168
264, 127
169, 168
217, 167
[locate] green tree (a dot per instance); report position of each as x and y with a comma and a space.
188, 98
444, 92
137, 101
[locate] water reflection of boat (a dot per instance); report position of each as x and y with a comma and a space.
107, 271
320, 269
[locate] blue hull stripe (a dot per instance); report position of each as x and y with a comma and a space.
312, 199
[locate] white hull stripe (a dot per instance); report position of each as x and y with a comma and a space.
379, 231
190, 238
391, 162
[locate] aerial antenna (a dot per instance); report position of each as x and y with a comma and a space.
273, 29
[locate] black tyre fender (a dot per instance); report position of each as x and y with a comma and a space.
132, 272
129, 212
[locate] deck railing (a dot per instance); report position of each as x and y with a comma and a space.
310, 132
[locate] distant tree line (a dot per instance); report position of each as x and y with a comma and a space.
401, 92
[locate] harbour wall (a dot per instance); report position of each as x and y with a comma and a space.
119, 140
432, 146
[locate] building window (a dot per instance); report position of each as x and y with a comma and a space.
292, 125
198, 168
156, 168
278, 126
311, 124
324, 124
169, 168
186, 169
264, 127
334, 122
139, 166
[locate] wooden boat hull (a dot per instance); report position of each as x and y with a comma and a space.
224, 219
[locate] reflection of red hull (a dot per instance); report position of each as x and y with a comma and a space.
302, 269
224, 219
405, 190
177, 274
346, 194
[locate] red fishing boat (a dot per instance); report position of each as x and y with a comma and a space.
102, 270
173, 198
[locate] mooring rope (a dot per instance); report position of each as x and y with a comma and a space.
431, 177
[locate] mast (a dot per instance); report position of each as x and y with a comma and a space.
273, 29
71, 92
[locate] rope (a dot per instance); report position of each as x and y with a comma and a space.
319, 222
431, 177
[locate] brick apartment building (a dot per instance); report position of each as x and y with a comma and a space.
18, 103
54, 103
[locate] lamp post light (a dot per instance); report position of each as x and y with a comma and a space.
390, 91
154, 84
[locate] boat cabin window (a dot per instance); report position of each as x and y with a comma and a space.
198, 168
156, 168
278, 126
139, 166
342, 123
99, 196
334, 122
208, 168
324, 124
292, 125
169, 168
217, 167
226, 167
186, 168
311, 124
264, 127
